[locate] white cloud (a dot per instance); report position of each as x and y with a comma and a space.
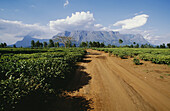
98, 25
66, 3
78, 21
150, 35
134, 22
12, 31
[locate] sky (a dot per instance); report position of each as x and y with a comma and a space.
45, 18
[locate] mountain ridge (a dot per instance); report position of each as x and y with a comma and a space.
26, 41
108, 37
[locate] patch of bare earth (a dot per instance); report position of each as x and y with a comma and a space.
114, 84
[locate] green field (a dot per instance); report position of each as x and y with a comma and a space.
25, 71
158, 56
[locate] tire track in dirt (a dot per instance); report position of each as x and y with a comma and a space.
114, 87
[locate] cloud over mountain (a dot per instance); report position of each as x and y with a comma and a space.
12, 31
137, 21
78, 21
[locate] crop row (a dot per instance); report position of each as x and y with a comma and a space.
158, 56
45, 72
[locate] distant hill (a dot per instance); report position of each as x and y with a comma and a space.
108, 37
26, 42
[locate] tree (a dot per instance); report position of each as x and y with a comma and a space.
63, 39
56, 44
5, 45
168, 44
94, 44
45, 44
137, 46
113, 46
32, 44
14, 46
102, 44
97, 44
157, 46
74, 45
51, 43
2, 45
131, 46
120, 41
83, 44
41, 45
162, 46
109, 46
90, 44
142, 46
87, 43
37, 44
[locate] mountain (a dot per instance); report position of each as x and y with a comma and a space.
26, 42
108, 37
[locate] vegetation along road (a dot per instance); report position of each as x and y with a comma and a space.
119, 85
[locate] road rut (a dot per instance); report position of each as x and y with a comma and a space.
119, 87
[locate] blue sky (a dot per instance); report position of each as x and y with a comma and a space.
44, 18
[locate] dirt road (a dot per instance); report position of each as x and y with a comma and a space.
119, 85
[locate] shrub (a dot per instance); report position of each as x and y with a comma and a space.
136, 61
123, 56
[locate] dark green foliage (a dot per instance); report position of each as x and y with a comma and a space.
137, 46
42, 73
21, 50
51, 43
113, 46
123, 55
120, 41
14, 46
45, 44
3, 45
90, 44
74, 45
37, 44
168, 45
56, 44
157, 56
136, 61
109, 46
83, 44
41, 45
102, 44
32, 44
162, 46
142, 46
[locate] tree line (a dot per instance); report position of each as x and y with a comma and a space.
134, 45
3, 45
39, 44
67, 42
